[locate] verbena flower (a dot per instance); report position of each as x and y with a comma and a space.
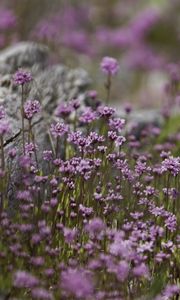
8, 19
77, 282
23, 279
30, 148
171, 290
95, 226
21, 77
106, 111
141, 271
69, 234
64, 109
109, 65
4, 127
31, 107
171, 164
122, 270
59, 129
116, 124
88, 116
47, 155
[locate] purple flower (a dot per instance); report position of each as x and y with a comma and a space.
78, 139
121, 247
7, 19
25, 162
122, 270
30, 148
171, 290
149, 191
21, 77
128, 108
88, 116
12, 153
47, 155
106, 111
112, 135
70, 235
77, 283
24, 195
64, 109
92, 94
59, 129
109, 65
75, 103
23, 279
4, 127
171, 164
119, 141
37, 261
36, 238
86, 211
141, 271
171, 222
116, 124
31, 108
95, 226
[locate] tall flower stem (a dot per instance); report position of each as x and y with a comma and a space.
57, 147
2, 153
22, 118
35, 151
2, 180
108, 88
29, 132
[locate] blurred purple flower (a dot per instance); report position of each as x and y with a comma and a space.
77, 282
109, 65
23, 279
7, 19
4, 127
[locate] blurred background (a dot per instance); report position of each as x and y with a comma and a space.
144, 36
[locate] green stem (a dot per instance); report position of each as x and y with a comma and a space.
2, 180
22, 118
108, 88
2, 153
29, 132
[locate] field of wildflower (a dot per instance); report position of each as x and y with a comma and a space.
96, 214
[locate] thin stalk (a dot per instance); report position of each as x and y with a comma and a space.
57, 146
29, 132
2, 153
35, 152
108, 88
3, 168
22, 118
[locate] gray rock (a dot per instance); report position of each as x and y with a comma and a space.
23, 55
51, 85
140, 118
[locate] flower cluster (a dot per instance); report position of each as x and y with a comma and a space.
109, 65
31, 108
21, 77
59, 129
